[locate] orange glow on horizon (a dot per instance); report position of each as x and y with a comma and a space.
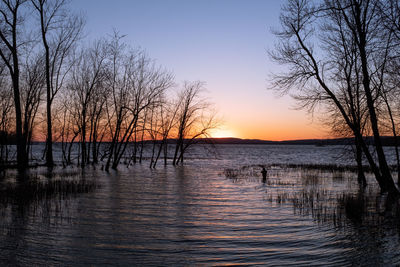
220, 133
275, 132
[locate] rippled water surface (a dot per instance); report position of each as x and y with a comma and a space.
196, 215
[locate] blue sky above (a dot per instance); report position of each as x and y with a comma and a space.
221, 42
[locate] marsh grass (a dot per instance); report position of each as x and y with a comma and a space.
338, 175
329, 194
245, 173
43, 184
231, 173
310, 177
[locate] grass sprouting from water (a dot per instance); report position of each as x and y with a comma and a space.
31, 187
329, 194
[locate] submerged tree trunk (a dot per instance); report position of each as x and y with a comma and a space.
134, 148
165, 153
158, 153
142, 138
394, 132
83, 139
388, 184
361, 176
177, 146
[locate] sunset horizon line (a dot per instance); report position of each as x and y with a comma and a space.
235, 138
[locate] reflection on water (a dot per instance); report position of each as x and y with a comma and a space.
195, 214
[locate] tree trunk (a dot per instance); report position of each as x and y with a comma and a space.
361, 176
174, 161
22, 157
158, 153
165, 153
83, 139
388, 184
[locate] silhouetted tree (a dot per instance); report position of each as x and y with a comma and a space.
86, 78
66, 130
59, 32
390, 95
136, 84
390, 13
32, 84
6, 105
195, 119
354, 29
348, 80
11, 23
167, 119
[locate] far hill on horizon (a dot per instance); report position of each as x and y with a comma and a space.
386, 140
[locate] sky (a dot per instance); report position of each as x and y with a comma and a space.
223, 43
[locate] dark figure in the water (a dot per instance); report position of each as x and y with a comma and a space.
264, 174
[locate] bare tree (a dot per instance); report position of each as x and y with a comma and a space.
356, 32
348, 80
195, 119
390, 13
59, 31
86, 78
167, 119
6, 105
33, 81
66, 125
135, 83
10, 23
142, 130
153, 129
97, 121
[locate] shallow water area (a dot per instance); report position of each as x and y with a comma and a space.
196, 214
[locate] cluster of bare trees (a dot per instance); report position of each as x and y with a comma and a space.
104, 99
343, 56
35, 64
119, 95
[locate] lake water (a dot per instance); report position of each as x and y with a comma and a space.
200, 214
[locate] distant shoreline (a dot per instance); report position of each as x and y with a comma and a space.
386, 141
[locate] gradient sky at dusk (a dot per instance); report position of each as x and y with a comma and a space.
221, 42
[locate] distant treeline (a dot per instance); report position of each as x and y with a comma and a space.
386, 141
